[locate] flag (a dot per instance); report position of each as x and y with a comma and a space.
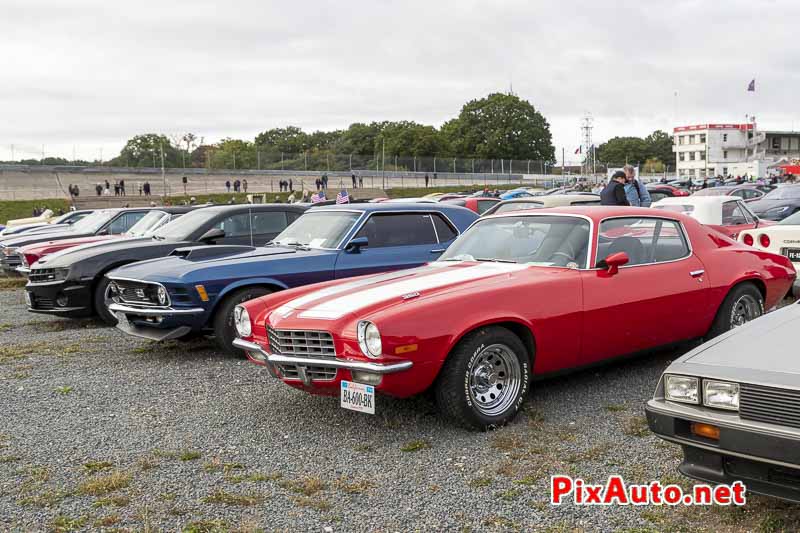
751, 87
317, 197
343, 197
578, 149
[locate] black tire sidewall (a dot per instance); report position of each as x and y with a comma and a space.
100, 302
224, 328
457, 375
722, 322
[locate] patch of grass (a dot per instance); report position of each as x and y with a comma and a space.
480, 482
594, 453
255, 477
5, 327
107, 521
313, 503
215, 465
507, 442
772, 523
13, 209
635, 426
527, 480
4, 459
353, 487
363, 448
190, 455
48, 498
64, 524
38, 474
7, 284
115, 501
147, 463
102, 485
415, 446
307, 486
510, 494
614, 407
205, 526
64, 389
228, 498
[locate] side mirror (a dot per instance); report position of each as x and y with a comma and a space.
612, 263
105, 231
211, 235
758, 220
355, 245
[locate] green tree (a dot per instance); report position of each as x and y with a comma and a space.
500, 126
234, 153
290, 140
659, 146
145, 151
622, 150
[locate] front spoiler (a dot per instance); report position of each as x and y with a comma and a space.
152, 333
153, 311
259, 354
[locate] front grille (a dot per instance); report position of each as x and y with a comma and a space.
43, 303
137, 292
12, 261
42, 275
314, 373
770, 405
303, 343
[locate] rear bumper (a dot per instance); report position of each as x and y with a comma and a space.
157, 323
60, 298
766, 463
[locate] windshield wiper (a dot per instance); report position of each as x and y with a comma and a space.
298, 245
494, 260
156, 237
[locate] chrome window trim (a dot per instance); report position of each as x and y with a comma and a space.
396, 212
680, 225
169, 298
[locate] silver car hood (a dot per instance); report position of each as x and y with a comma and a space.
762, 352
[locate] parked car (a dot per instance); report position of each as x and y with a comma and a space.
519, 295
516, 193
782, 238
726, 214
476, 204
72, 283
778, 204
57, 224
539, 202
44, 218
143, 228
100, 222
195, 291
732, 405
662, 190
748, 193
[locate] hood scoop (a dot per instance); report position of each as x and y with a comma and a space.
198, 253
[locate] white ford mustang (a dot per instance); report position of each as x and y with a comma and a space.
782, 238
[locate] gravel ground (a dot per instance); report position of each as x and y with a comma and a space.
99, 430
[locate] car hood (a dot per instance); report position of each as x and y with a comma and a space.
48, 247
197, 262
760, 352
369, 294
92, 248
25, 239
761, 205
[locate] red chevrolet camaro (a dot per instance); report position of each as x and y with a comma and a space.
517, 296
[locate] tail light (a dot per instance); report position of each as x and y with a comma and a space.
763, 240
748, 239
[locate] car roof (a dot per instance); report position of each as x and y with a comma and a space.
597, 212
697, 200
390, 206
257, 207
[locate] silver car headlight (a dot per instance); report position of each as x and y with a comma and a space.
242, 320
682, 389
721, 394
162, 296
369, 339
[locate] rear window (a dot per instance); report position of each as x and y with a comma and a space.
678, 208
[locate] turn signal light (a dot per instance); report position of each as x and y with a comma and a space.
763, 240
201, 292
705, 430
748, 239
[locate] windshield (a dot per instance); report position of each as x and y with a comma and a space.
318, 230
94, 221
783, 193
181, 229
517, 206
712, 191
792, 220
534, 240
686, 209
151, 220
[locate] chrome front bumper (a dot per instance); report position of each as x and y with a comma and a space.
258, 353
153, 311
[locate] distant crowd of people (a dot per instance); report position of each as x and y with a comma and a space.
238, 185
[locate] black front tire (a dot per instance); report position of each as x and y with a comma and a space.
458, 385
742, 304
100, 305
224, 328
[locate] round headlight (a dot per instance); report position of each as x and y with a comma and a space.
242, 320
369, 339
161, 294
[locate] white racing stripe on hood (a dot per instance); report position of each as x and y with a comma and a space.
287, 308
339, 307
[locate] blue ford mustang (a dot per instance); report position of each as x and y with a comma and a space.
195, 290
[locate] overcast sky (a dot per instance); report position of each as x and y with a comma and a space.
91, 74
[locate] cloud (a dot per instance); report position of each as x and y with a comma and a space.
91, 74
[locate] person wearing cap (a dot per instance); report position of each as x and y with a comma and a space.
634, 189
614, 192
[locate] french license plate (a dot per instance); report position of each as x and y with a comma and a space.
28, 300
358, 397
793, 254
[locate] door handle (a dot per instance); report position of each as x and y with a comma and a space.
437, 250
697, 273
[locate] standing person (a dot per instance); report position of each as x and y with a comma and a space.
361, 182
147, 188
614, 192
116, 188
122, 187
99, 189
108, 186
426, 180
353, 178
634, 189
228, 185
244, 184
291, 186
139, 186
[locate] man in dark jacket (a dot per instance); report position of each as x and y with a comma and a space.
614, 192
